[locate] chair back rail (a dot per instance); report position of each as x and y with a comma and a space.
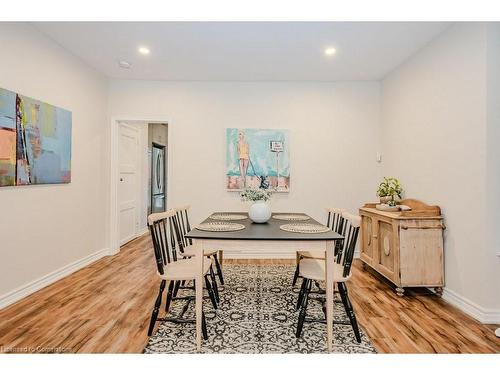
164, 231
182, 214
335, 222
334, 219
350, 231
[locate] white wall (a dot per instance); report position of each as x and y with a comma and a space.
47, 227
434, 131
493, 138
334, 129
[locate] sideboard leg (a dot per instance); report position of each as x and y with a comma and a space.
439, 291
400, 291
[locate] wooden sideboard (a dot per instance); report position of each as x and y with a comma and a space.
406, 247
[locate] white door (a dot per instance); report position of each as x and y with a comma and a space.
128, 161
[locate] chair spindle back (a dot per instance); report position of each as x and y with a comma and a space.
334, 220
164, 230
350, 231
182, 214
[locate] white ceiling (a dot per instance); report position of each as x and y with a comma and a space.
244, 51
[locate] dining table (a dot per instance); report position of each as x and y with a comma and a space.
264, 238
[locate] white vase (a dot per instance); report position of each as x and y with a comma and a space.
386, 199
259, 212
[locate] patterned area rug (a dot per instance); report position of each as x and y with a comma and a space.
257, 314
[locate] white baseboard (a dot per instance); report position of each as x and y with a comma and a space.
142, 231
258, 255
35, 285
267, 255
485, 316
139, 233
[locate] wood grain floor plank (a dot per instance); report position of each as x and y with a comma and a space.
105, 308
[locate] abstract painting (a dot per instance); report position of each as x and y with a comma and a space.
7, 138
257, 158
35, 141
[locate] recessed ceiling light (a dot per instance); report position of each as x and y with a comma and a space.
124, 64
330, 51
144, 50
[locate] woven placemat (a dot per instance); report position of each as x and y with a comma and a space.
304, 228
291, 217
227, 216
220, 226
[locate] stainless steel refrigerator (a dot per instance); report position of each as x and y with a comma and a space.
158, 179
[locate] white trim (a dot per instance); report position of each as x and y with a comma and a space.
245, 254
127, 240
485, 316
35, 285
114, 243
262, 249
229, 254
142, 231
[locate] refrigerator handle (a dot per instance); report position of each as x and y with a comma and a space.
158, 177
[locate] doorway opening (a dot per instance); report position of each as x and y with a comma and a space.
158, 153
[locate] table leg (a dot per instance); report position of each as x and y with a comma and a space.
330, 259
221, 258
199, 291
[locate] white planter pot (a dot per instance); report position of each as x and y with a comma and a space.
259, 212
385, 199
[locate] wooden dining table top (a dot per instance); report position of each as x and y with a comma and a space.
265, 231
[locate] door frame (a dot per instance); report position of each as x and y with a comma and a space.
114, 241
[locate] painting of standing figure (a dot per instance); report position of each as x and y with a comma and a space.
35, 141
257, 158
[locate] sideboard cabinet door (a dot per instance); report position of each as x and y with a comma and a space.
366, 253
386, 261
421, 248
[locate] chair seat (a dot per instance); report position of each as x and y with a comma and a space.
314, 254
184, 269
315, 269
190, 251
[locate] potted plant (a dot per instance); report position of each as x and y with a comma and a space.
259, 211
389, 191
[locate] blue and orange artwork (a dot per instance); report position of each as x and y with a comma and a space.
7, 138
257, 158
35, 141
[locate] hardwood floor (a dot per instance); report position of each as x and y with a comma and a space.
106, 306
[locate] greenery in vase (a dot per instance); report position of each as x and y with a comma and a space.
390, 187
254, 195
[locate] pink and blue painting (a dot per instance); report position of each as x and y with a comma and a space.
257, 158
35, 141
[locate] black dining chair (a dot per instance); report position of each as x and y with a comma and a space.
313, 270
334, 222
188, 250
173, 268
